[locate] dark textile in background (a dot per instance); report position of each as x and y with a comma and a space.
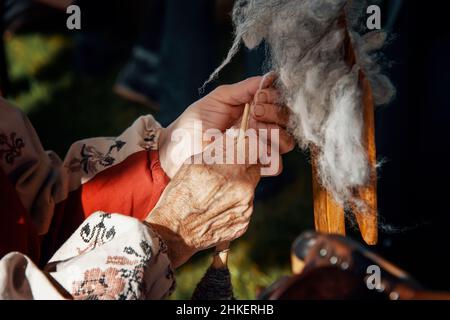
413, 138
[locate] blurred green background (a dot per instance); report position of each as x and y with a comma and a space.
65, 106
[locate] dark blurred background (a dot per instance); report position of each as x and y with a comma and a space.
152, 56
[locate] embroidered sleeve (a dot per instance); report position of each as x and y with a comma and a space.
109, 257
87, 158
112, 174
28, 167
112, 256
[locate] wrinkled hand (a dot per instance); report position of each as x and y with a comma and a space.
203, 206
222, 109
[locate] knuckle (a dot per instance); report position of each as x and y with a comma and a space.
283, 113
242, 231
242, 191
280, 168
248, 214
291, 143
239, 188
221, 89
247, 188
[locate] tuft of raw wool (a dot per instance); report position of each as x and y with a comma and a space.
306, 41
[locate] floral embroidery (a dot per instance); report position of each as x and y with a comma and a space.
120, 260
13, 145
169, 274
99, 234
150, 139
91, 158
135, 284
114, 283
124, 274
99, 285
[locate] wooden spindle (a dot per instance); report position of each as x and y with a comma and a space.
220, 258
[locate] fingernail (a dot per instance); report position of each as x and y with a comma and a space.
259, 110
262, 97
272, 75
269, 74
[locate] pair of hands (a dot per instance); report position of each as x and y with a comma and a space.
205, 205
222, 109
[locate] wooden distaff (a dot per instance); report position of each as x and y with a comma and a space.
221, 255
328, 215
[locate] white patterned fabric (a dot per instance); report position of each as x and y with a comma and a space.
109, 257
42, 180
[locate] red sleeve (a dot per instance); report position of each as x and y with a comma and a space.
132, 187
16, 230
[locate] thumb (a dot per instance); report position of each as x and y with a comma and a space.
242, 92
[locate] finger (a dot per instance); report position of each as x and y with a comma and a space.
243, 92
268, 95
230, 224
285, 142
270, 113
254, 174
239, 93
227, 234
239, 227
236, 213
239, 232
268, 80
280, 169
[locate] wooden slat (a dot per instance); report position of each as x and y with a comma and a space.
328, 215
368, 221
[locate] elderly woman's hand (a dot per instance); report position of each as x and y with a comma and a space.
203, 206
222, 109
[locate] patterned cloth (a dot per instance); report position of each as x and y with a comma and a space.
46, 204
109, 257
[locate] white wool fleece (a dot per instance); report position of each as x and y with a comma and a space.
306, 42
